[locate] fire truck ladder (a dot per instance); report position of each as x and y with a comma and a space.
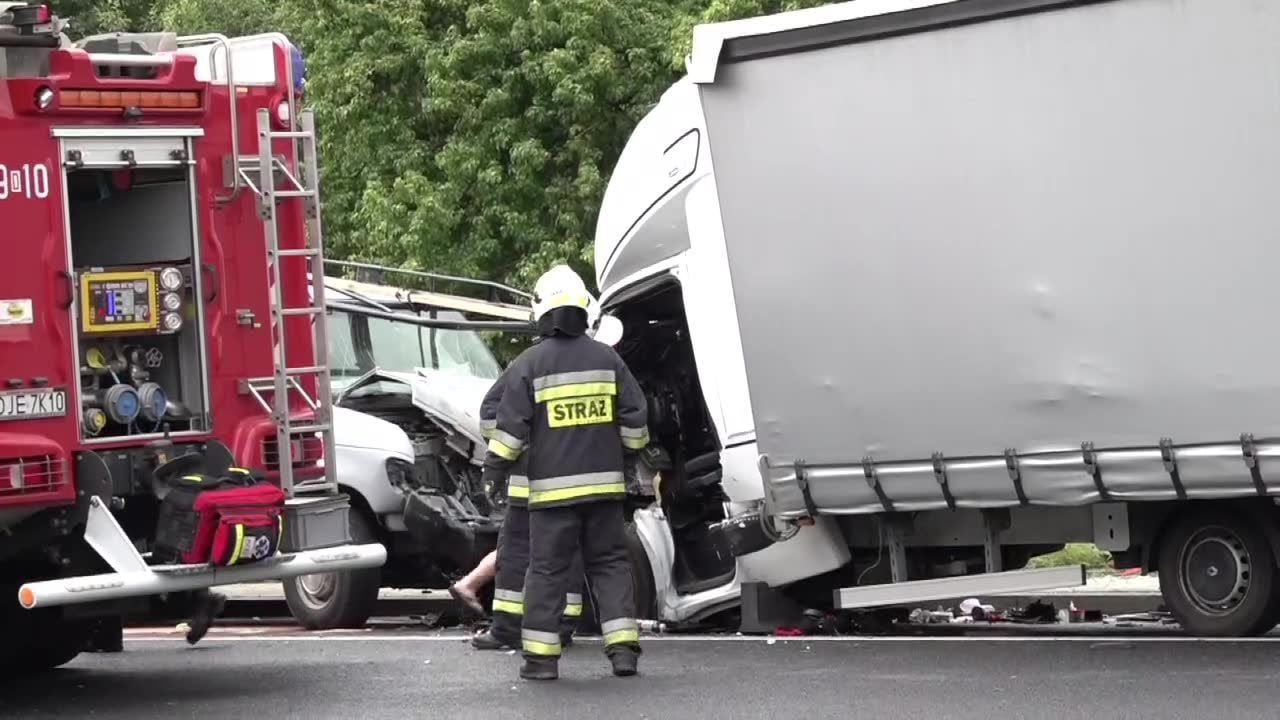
275, 183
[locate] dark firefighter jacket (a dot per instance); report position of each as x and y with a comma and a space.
494, 466
569, 408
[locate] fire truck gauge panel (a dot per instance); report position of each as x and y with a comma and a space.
172, 322
171, 279
114, 302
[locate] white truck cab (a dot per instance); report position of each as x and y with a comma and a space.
661, 268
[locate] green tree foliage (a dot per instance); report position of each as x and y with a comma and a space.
472, 137
90, 17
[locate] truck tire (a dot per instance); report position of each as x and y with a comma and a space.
337, 600
1218, 574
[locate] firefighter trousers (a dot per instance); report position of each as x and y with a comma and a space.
512, 565
555, 534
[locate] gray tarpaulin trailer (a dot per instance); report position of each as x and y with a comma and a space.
992, 253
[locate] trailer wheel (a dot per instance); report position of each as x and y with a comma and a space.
1218, 575
326, 601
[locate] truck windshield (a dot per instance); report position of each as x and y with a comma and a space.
358, 343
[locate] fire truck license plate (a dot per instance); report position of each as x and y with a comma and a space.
29, 404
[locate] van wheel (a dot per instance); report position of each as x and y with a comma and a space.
1218, 575
326, 601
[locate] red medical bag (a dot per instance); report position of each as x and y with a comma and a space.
232, 520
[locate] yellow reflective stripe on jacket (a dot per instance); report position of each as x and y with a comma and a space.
634, 438
518, 487
502, 450
560, 392
620, 631
487, 427
572, 487
577, 377
548, 496
536, 642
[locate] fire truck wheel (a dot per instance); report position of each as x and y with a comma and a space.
41, 642
62, 644
1218, 574
337, 600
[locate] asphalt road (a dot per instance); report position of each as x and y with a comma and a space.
386, 674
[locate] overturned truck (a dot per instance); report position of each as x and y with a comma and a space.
930, 287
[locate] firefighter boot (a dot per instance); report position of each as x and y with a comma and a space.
547, 668
625, 660
208, 606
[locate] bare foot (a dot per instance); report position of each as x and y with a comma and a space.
466, 597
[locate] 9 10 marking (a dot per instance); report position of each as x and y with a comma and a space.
30, 181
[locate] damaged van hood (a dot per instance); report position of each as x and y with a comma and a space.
449, 399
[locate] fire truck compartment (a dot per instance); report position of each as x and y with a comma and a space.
135, 266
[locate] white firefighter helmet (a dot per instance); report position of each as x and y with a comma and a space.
559, 287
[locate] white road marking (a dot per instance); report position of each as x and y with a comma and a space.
134, 637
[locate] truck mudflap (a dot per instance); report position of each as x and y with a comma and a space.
134, 578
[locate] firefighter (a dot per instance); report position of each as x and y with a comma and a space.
512, 560
571, 408
512, 556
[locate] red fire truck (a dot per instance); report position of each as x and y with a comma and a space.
159, 218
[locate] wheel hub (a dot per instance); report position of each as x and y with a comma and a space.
317, 589
1215, 570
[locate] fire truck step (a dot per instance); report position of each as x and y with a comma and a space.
288, 312
295, 193
307, 252
322, 427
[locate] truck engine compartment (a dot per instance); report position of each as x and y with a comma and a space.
451, 518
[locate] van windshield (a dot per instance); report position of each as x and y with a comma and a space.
358, 344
